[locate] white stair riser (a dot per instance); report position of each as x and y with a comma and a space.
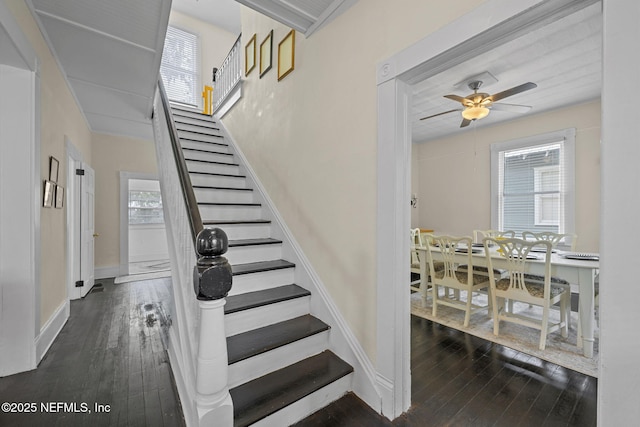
210, 156
256, 253
308, 405
181, 118
198, 129
212, 168
278, 358
247, 320
190, 112
245, 231
263, 280
220, 147
208, 212
212, 195
218, 181
199, 137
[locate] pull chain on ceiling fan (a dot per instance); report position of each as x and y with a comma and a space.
478, 105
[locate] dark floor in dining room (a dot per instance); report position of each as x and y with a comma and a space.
460, 380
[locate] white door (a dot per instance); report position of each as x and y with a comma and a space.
87, 230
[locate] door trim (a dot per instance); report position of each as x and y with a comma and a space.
74, 161
124, 215
493, 22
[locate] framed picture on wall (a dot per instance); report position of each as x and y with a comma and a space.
286, 55
48, 194
59, 196
54, 165
250, 55
266, 51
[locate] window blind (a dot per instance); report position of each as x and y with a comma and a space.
533, 185
180, 66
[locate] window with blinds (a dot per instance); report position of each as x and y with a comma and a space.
532, 183
180, 66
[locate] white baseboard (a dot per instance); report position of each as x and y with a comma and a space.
51, 329
106, 272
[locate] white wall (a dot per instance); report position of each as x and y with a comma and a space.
311, 138
454, 181
620, 209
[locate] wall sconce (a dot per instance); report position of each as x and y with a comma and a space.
414, 201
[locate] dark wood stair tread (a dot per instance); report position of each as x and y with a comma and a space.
249, 300
263, 396
253, 242
211, 162
218, 174
258, 267
207, 187
206, 151
257, 341
236, 221
228, 204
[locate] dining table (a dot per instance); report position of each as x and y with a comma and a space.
578, 269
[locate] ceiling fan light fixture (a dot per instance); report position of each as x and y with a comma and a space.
475, 113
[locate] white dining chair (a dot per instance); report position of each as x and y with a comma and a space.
565, 240
479, 235
422, 284
449, 277
515, 287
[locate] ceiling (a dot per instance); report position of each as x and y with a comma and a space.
110, 53
563, 58
221, 13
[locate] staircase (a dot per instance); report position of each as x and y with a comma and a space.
280, 367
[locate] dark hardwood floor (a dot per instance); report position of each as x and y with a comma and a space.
461, 380
110, 352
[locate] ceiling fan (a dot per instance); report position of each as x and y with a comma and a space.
477, 105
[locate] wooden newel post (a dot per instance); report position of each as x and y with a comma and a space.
212, 282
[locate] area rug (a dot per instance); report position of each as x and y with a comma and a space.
559, 350
144, 276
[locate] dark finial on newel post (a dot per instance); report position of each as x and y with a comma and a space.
212, 273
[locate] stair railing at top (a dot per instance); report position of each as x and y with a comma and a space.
228, 75
198, 338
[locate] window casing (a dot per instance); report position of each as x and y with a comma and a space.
532, 183
180, 66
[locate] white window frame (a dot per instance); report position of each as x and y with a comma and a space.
566, 138
541, 195
196, 100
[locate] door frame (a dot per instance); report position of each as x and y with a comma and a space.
124, 215
74, 162
492, 23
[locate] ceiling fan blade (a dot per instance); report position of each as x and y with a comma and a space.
513, 108
465, 123
456, 98
513, 91
440, 114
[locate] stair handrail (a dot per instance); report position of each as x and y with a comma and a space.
197, 338
227, 75
195, 220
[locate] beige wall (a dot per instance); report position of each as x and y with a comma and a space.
60, 117
215, 42
111, 155
312, 139
460, 202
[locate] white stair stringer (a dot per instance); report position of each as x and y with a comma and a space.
342, 342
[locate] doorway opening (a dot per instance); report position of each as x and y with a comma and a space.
144, 248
